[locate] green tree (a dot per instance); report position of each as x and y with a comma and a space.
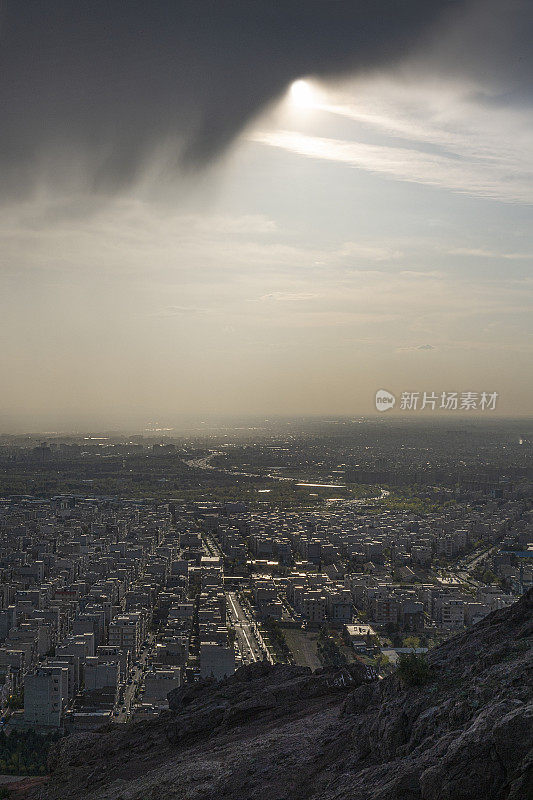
413, 669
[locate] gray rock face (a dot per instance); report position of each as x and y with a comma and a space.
258, 691
331, 735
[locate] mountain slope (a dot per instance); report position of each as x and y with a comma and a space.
336, 735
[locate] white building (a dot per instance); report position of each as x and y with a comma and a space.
100, 673
313, 605
453, 614
216, 660
45, 696
125, 633
158, 683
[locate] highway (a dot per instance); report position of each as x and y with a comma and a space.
466, 565
246, 640
129, 689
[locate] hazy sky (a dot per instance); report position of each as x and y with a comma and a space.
184, 229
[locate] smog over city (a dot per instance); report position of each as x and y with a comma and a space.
266, 418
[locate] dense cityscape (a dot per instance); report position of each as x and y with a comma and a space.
109, 603
266, 421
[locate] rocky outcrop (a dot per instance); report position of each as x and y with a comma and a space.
332, 735
259, 690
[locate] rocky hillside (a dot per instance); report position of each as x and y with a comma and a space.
466, 733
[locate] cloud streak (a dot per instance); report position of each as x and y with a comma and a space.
482, 177
479, 252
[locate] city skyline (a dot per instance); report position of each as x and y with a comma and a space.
266, 428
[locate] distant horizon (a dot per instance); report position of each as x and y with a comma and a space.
190, 423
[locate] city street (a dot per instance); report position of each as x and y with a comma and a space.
129, 690
246, 640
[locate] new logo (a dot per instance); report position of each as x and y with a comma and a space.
384, 400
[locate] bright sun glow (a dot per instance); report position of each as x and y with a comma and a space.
301, 94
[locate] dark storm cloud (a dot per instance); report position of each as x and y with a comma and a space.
94, 88
490, 42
